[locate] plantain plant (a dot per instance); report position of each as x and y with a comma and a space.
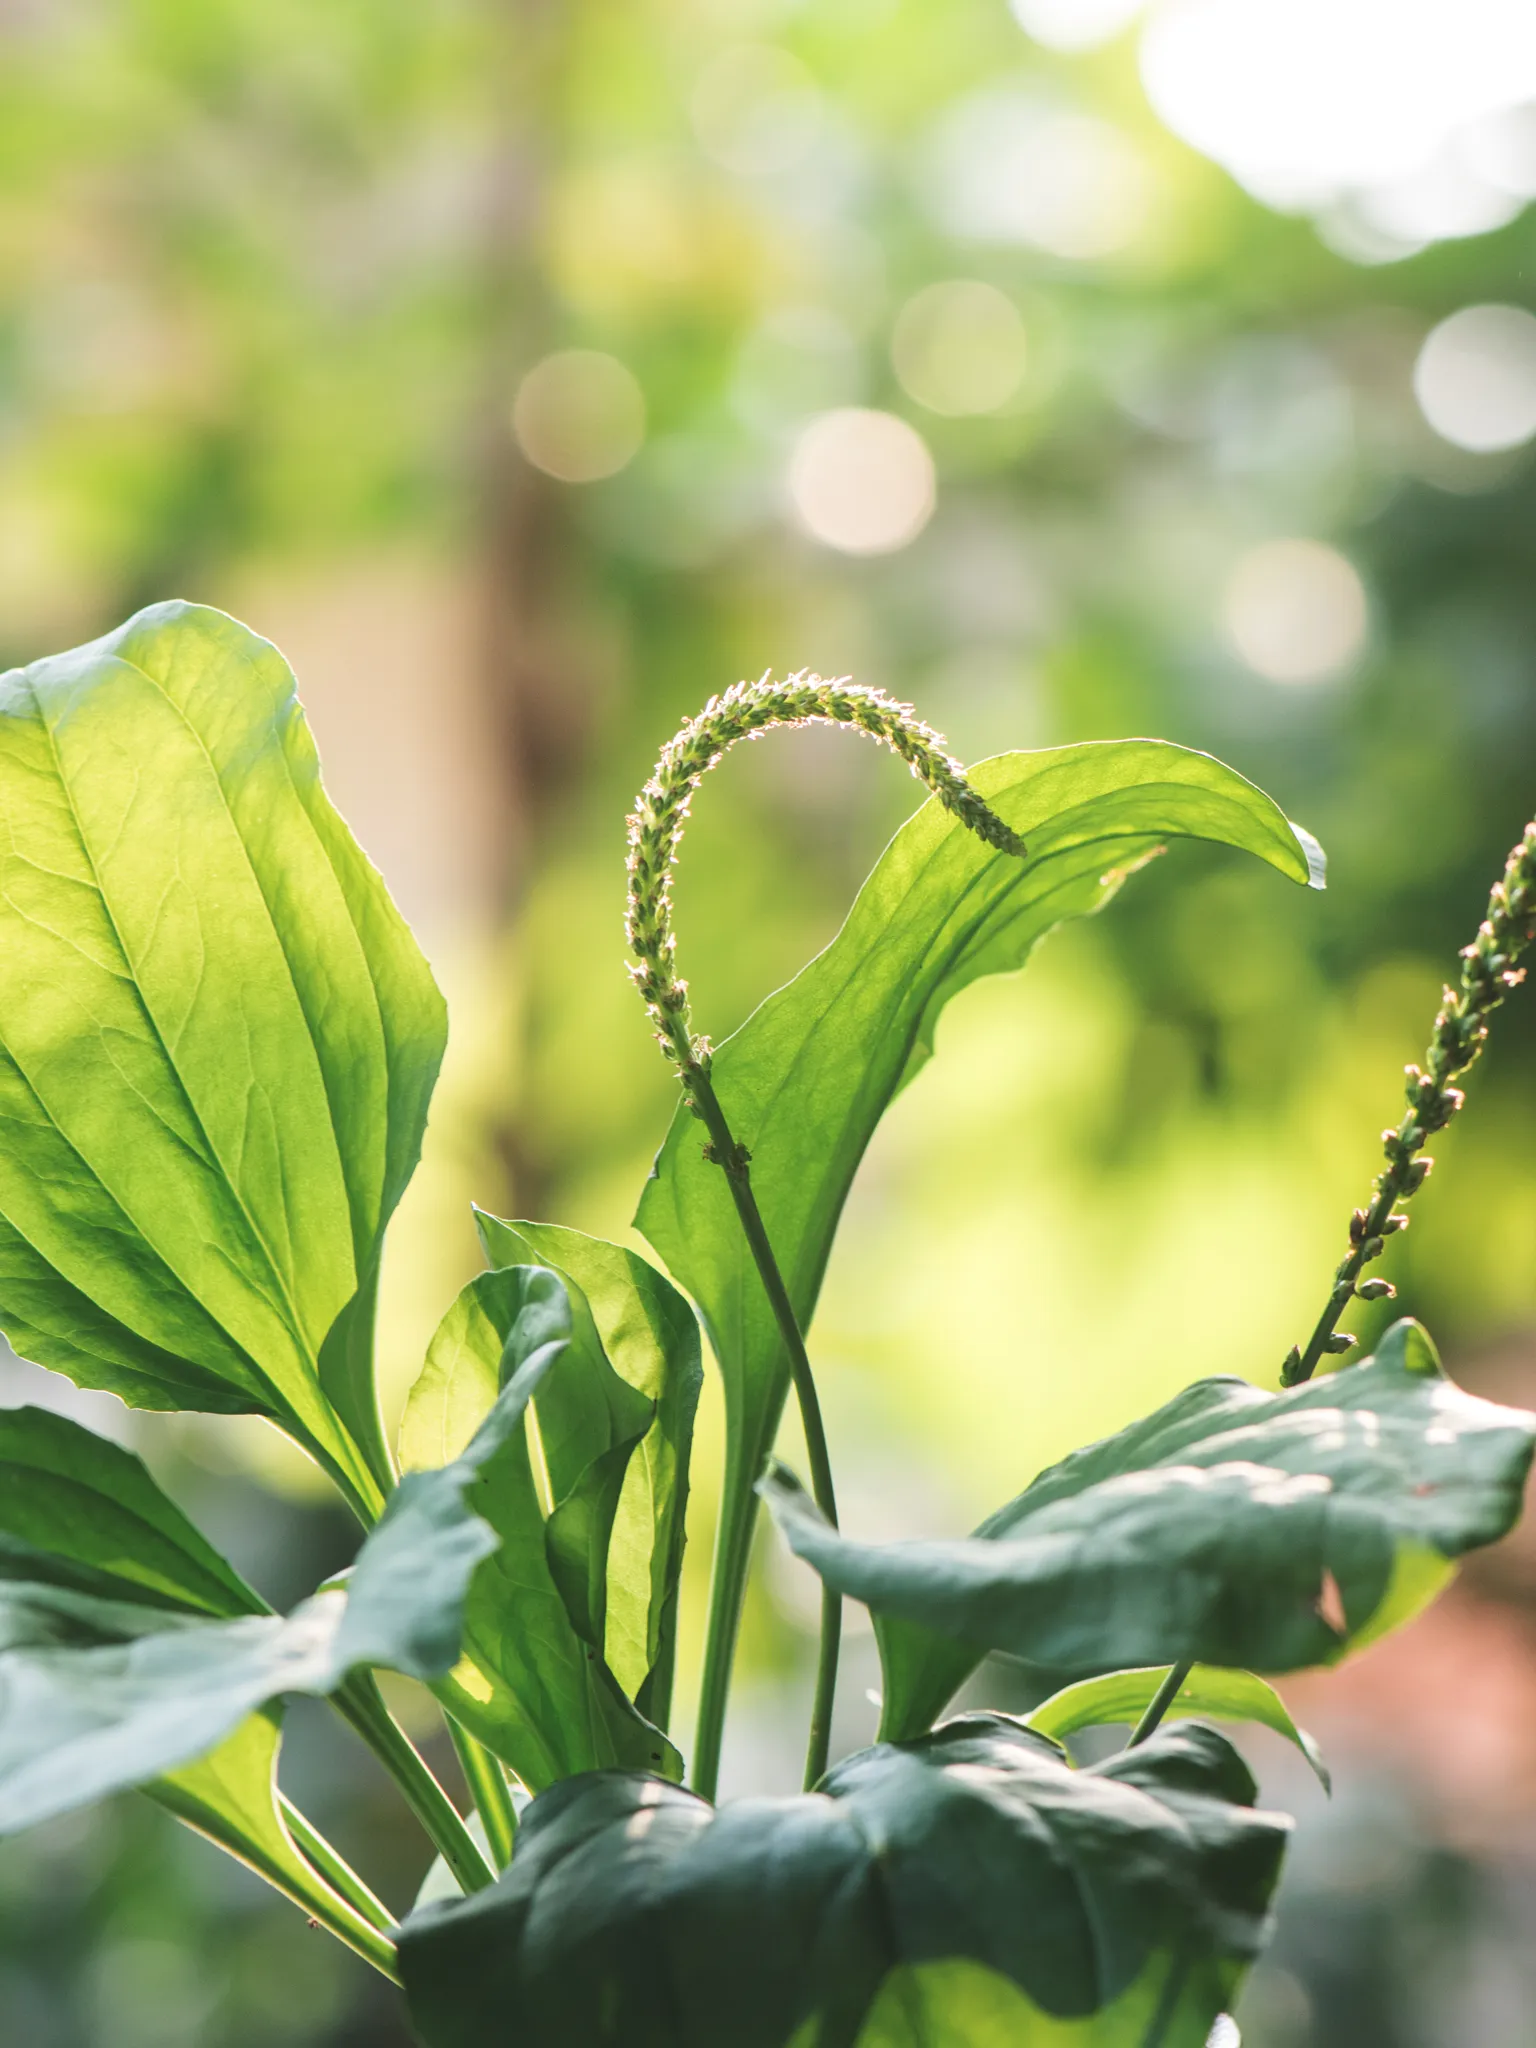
218, 1042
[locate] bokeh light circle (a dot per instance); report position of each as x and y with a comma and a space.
579, 415
1296, 611
862, 481
959, 347
1475, 378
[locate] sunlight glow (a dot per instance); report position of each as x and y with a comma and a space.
1405, 114
756, 110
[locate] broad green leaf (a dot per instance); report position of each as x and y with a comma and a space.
217, 1040
806, 1079
635, 1913
1230, 1527
1124, 1696
651, 1337
532, 1683
67, 1491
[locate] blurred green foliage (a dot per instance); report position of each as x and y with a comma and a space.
270, 279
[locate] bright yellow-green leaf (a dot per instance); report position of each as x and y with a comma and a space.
231, 1796
651, 1337
217, 1040
961, 2004
1208, 1693
806, 1079
532, 1683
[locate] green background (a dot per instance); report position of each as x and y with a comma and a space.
272, 277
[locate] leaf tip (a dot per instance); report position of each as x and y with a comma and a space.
1312, 853
1409, 1347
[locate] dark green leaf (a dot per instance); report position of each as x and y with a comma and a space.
1124, 1696
532, 1683
1224, 1529
651, 1337
99, 1693
806, 1079
973, 1873
66, 1491
54, 1611
217, 1040
77, 1722
83, 1513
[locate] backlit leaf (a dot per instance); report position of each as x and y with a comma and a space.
651, 1337
1207, 1693
532, 1683
230, 1796
217, 1040
806, 1079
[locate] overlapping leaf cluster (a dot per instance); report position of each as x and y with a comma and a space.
217, 1046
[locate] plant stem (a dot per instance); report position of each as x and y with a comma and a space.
334, 1868
359, 1487
733, 1552
350, 1927
655, 830
733, 1158
360, 1702
488, 1788
1488, 973
349, 1911
1160, 1702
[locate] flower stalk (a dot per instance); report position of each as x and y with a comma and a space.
745, 711
1488, 973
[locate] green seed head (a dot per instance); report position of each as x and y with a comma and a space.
656, 824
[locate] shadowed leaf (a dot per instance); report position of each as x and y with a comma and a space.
92, 1505
1087, 1907
1214, 1530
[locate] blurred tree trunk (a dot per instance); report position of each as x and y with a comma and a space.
538, 683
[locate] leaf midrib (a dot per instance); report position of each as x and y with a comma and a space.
285, 1303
